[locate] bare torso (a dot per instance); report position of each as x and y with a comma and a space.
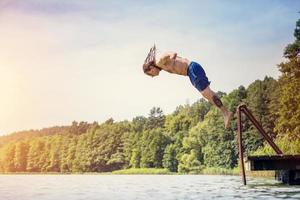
172, 63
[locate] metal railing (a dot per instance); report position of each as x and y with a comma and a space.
243, 109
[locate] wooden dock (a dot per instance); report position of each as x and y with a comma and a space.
287, 167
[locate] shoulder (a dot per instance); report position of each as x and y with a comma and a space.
164, 57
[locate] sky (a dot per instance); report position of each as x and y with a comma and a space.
66, 60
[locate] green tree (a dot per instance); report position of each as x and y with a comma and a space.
36, 148
260, 95
170, 161
156, 119
189, 163
152, 148
8, 158
288, 122
55, 154
20, 159
135, 158
138, 124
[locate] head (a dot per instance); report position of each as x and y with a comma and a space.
149, 65
151, 70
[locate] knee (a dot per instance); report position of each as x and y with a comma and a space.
207, 93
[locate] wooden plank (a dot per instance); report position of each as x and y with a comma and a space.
275, 162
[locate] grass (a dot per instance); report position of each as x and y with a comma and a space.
210, 170
142, 171
220, 171
156, 171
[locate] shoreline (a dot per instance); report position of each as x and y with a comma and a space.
154, 171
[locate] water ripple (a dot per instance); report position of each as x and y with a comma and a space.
140, 187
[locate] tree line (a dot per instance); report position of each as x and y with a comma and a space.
186, 141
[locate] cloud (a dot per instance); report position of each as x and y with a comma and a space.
75, 60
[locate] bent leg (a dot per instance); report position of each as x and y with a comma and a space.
214, 99
200, 81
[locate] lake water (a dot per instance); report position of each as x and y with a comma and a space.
140, 187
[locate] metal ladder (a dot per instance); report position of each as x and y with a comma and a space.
242, 108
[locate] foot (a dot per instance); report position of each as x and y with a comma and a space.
227, 118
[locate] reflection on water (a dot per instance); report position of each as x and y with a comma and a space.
141, 187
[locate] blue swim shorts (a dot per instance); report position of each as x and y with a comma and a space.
197, 76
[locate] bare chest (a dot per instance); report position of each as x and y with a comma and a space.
177, 66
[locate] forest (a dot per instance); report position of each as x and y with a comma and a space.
188, 140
